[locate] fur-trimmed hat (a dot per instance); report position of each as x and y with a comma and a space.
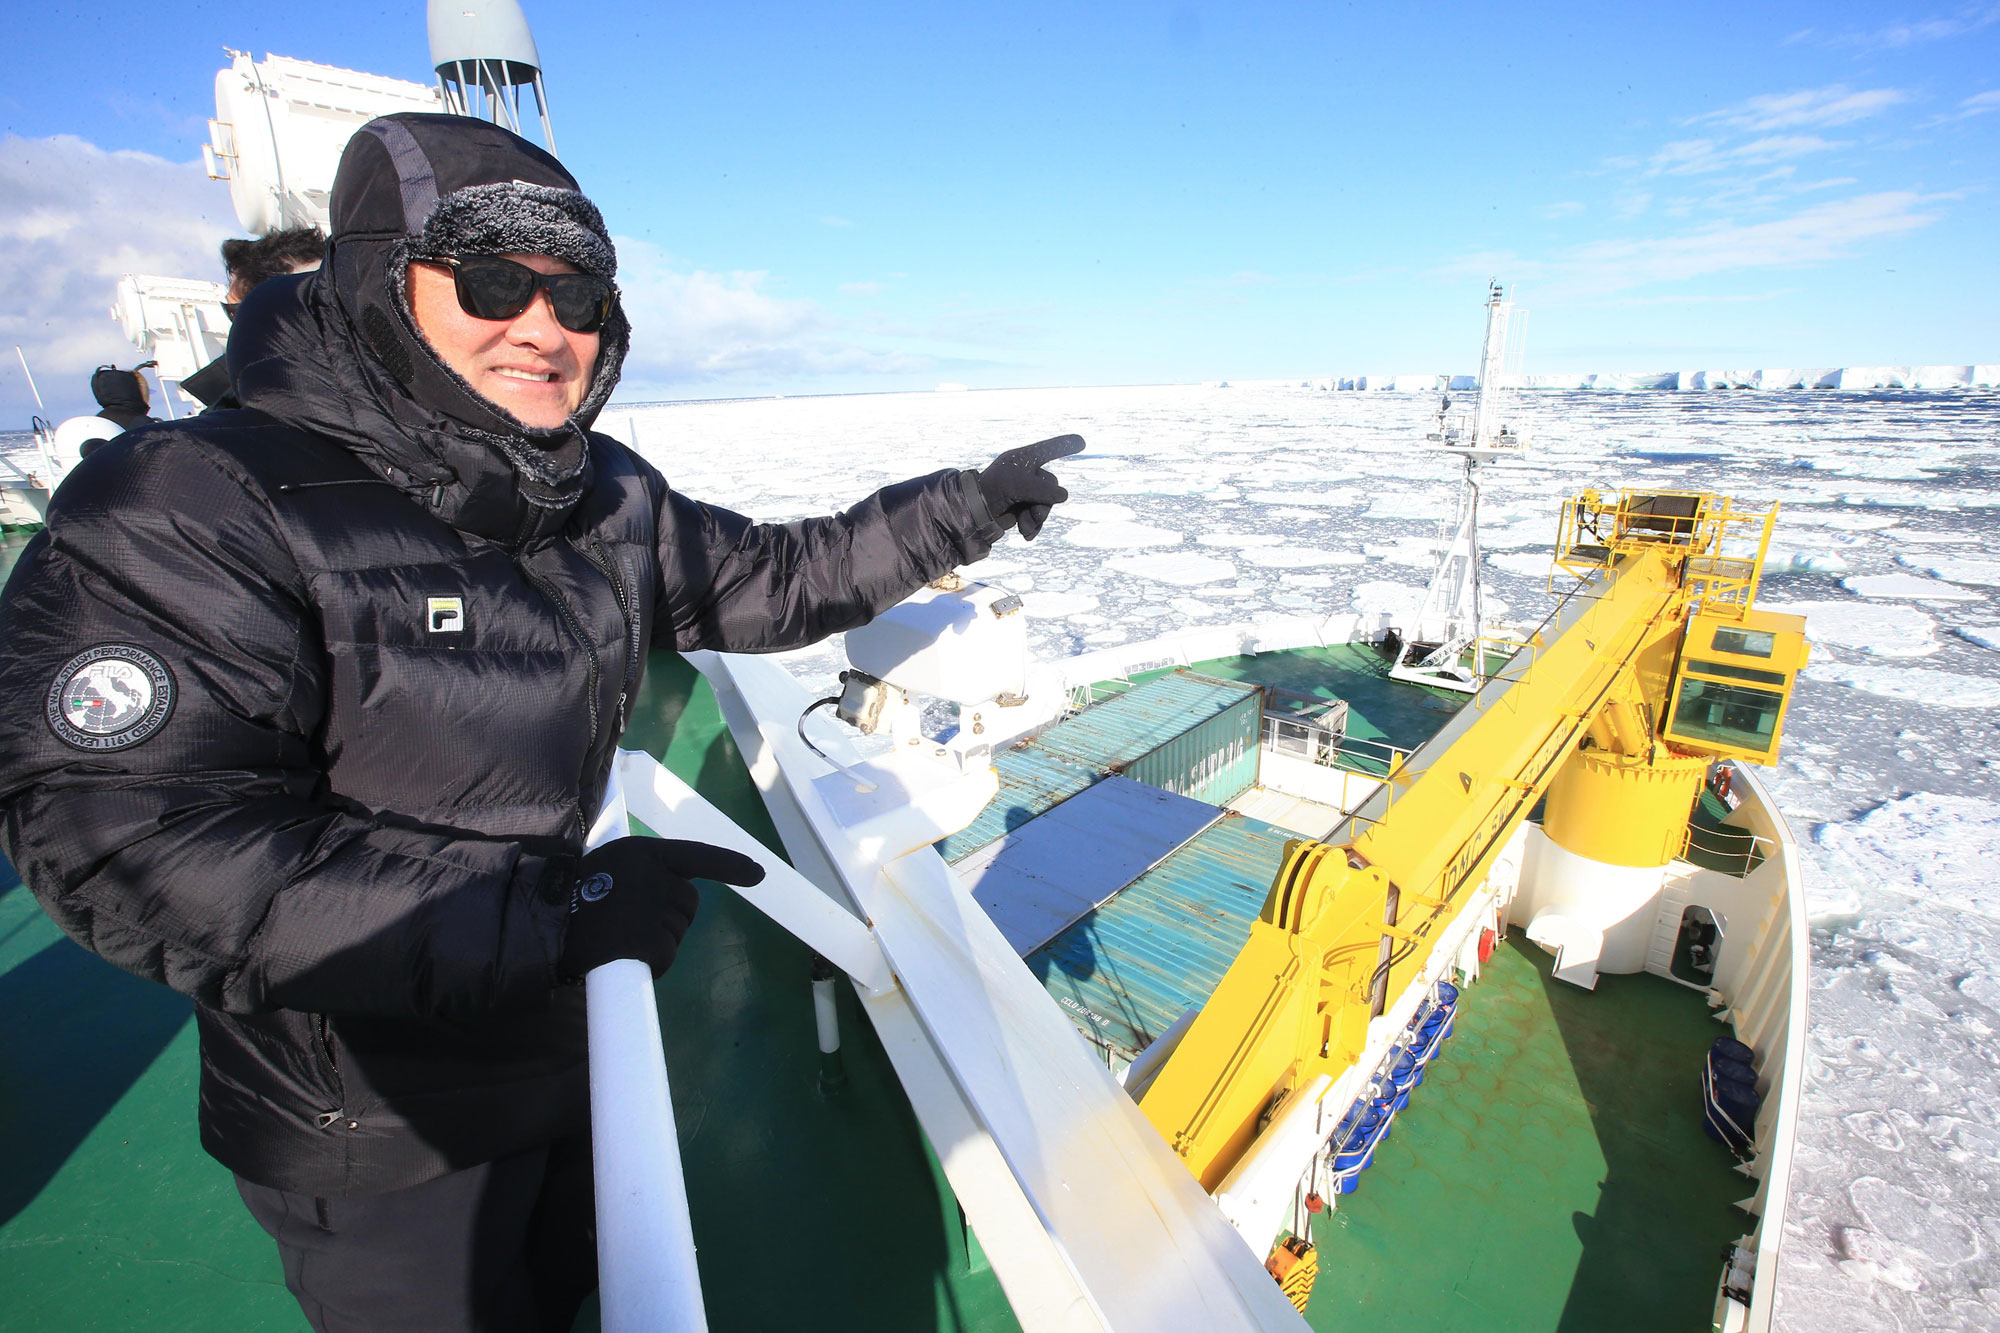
419, 186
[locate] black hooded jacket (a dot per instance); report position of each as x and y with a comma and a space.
304, 708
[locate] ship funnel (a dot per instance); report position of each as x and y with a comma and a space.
485, 55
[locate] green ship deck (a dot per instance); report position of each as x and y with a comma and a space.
1551, 1173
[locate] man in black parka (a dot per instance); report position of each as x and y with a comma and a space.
305, 709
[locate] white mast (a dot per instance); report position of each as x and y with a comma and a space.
1445, 644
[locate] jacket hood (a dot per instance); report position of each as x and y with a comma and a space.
118, 395
294, 356
337, 351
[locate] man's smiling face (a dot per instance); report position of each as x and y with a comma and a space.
530, 365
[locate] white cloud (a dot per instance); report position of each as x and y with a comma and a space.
74, 218
860, 289
1689, 157
701, 327
1815, 107
1815, 235
1893, 36
1976, 105
1566, 208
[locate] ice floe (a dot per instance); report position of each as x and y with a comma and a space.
1183, 569
1938, 689
1874, 628
1896, 846
1299, 557
1094, 511
1908, 586
1119, 536
1056, 605
1528, 564
1398, 600
1985, 573
1240, 539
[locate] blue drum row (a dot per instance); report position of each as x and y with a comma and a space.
1367, 1122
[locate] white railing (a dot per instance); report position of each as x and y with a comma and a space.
1331, 749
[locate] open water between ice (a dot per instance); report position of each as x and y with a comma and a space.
1205, 504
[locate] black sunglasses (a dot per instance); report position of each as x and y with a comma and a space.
490, 287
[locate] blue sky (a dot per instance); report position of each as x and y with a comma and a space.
829, 198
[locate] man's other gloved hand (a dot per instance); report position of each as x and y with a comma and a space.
1019, 490
635, 898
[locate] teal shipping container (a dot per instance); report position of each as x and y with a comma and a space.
1183, 732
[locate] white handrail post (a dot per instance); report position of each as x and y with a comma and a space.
646, 1275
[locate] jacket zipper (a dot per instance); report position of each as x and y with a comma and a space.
322, 1040
597, 555
576, 632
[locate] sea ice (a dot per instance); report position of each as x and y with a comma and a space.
1528, 564
1986, 636
1908, 585
1939, 689
1407, 504
1090, 511
1299, 557
1056, 605
1183, 569
1120, 536
1881, 631
1339, 498
1400, 601
1985, 573
1404, 551
1240, 539
1897, 844
1841, 519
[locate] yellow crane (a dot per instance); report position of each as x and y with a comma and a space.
1656, 665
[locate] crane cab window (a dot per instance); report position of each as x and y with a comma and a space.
1735, 716
1744, 642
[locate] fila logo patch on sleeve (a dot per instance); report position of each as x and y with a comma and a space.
445, 615
110, 697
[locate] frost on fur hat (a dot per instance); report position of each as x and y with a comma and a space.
515, 217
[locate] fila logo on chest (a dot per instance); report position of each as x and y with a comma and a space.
445, 615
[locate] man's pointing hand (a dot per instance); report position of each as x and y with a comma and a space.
1020, 490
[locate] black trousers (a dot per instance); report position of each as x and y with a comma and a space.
504, 1247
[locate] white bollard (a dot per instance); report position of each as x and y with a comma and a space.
646, 1276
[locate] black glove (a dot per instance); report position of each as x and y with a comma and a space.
635, 898
1019, 490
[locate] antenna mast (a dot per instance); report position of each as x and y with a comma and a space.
1445, 645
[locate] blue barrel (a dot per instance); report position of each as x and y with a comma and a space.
1405, 1074
1357, 1148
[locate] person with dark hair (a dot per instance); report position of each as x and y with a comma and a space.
251, 263
305, 710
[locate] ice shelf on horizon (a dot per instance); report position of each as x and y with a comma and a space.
1813, 377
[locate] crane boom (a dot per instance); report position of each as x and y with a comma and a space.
1350, 920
